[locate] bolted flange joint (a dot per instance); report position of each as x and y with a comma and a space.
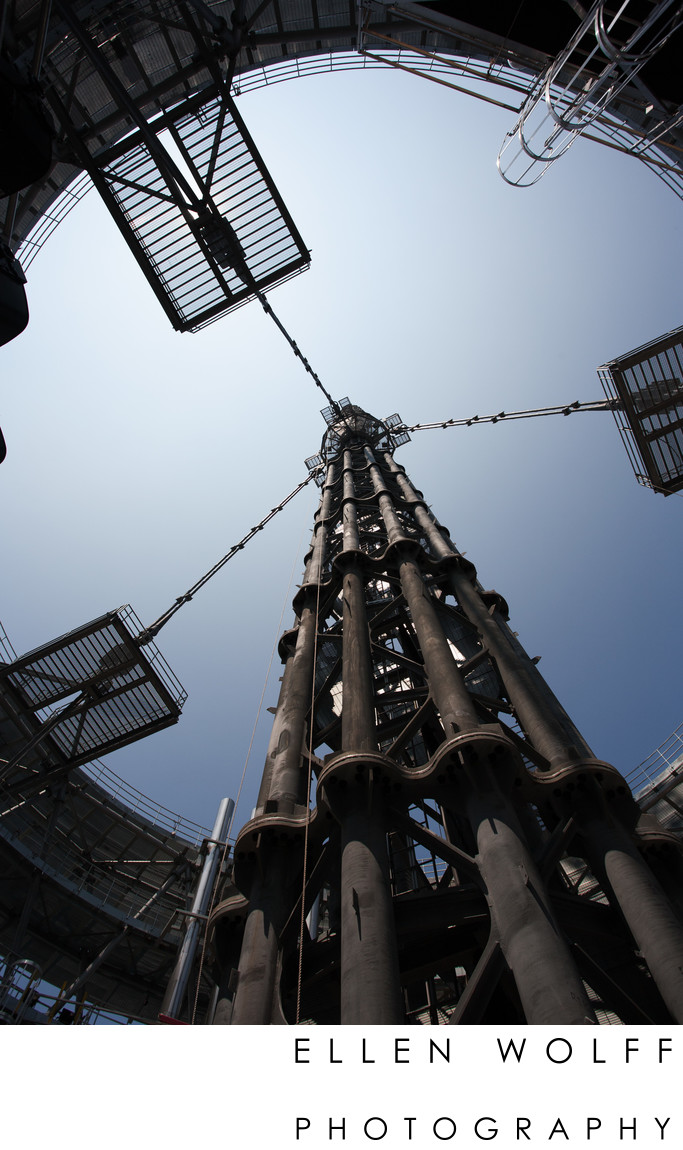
572, 776
493, 601
225, 927
459, 760
349, 776
584, 783
265, 835
653, 840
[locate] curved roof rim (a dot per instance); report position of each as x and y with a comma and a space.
45, 205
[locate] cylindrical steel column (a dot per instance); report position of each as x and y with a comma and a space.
548, 726
283, 788
654, 924
370, 989
450, 694
268, 908
358, 712
547, 980
315, 564
283, 777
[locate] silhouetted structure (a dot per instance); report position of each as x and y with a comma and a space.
96, 877
140, 98
467, 858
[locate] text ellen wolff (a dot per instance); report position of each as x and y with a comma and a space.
643, 1051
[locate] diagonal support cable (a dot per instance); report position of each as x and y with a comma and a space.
294, 346
239, 263
152, 631
530, 413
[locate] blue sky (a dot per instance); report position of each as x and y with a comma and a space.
137, 456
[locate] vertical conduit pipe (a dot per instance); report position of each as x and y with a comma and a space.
172, 1004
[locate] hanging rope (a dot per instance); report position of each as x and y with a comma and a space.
152, 631
530, 413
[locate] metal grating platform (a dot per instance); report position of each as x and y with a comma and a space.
201, 254
88, 693
648, 384
346, 416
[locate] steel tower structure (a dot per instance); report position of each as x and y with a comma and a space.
434, 876
434, 840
